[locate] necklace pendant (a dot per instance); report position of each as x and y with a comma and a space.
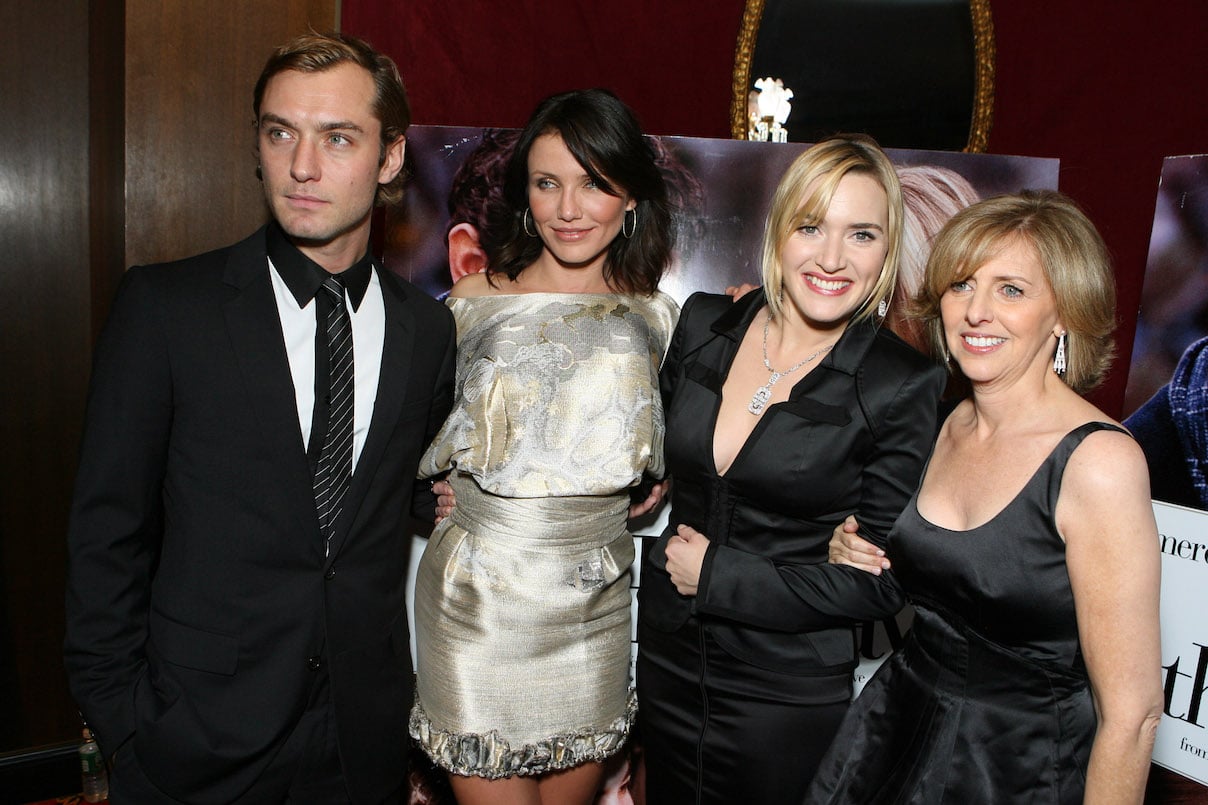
759, 399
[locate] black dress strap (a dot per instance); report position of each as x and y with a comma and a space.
1065, 448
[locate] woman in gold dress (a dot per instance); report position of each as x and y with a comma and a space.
522, 597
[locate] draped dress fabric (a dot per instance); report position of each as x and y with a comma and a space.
988, 701
522, 602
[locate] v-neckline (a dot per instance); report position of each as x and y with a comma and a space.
1019, 494
768, 411
723, 376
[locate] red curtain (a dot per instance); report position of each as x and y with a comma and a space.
470, 62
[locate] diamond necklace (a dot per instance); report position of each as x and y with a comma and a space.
759, 399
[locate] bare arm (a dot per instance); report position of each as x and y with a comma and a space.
1106, 517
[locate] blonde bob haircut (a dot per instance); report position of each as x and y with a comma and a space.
1072, 256
803, 197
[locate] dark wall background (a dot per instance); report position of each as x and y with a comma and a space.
44, 316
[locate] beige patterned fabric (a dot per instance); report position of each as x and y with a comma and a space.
522, 596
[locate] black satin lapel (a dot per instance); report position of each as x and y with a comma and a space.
707, 376
395, 372
254, 328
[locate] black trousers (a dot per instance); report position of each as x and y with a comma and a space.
718, 730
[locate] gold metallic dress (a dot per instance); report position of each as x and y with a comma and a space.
522, 597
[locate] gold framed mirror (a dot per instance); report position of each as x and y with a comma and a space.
912, 73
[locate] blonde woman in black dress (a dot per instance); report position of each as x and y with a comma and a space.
1032, 672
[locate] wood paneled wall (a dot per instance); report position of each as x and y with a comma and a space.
44, 316
128, 137
190, 166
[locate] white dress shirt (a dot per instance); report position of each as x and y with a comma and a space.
298, 326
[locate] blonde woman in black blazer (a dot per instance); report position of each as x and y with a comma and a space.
786, 412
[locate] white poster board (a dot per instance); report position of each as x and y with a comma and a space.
1182, 744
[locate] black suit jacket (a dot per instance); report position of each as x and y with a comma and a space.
199, 599
851, 439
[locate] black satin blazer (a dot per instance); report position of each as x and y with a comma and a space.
851, 439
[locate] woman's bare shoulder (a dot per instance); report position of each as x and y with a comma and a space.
1106, 472
472, 285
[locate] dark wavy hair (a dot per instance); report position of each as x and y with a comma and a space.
603, 135
314, 53
477, 188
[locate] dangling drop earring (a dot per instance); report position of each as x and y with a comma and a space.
1059, 358
882, 308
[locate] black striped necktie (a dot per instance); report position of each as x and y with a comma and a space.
334, 469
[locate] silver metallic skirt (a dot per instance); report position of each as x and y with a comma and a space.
522, 618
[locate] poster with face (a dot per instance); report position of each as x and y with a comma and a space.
1166, 400
721, 191
1166, 407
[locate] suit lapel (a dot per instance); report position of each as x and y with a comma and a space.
395, 372
254, 327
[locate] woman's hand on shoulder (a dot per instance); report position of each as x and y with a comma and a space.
847, 547
737, 292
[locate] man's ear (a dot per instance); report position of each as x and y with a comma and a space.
393, 163
466, 255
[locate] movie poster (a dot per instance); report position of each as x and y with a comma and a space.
1166, 408
722, 190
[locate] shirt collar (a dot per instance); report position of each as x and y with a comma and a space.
304, 276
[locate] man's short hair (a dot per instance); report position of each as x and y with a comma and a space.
314, 53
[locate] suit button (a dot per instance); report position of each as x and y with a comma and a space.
314, 663
330, 574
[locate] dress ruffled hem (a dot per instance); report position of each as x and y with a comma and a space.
492, 756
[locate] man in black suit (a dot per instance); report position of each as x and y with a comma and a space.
226, 640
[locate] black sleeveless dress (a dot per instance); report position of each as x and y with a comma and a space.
988, 701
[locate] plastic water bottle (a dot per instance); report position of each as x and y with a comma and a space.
92, 769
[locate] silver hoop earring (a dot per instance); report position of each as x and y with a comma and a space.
628, 231
1059, 358
526, 223
882, 308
